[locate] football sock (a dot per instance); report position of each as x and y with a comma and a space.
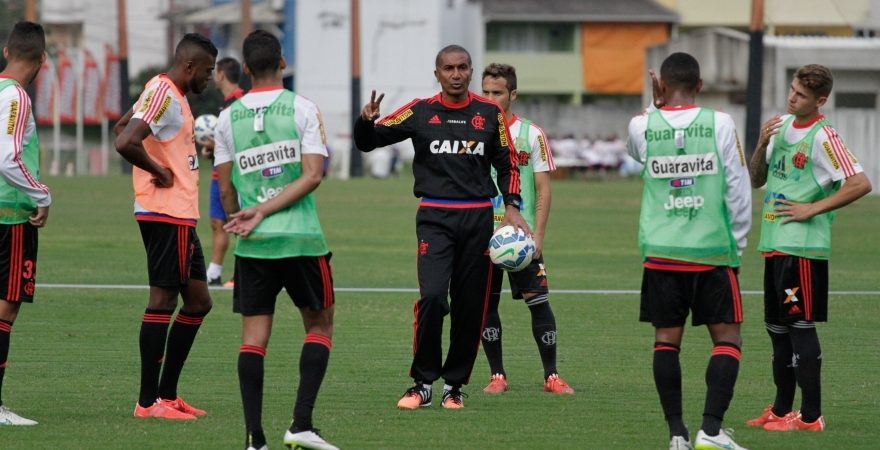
491, 339
720, 379
154, 331
180, 341
250, 381
5, 332
214, 271
544, 331
783, 370
312, 366
667, 378
808, 365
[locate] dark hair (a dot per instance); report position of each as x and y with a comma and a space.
262, 53
231, 69
26, 42
192, 42
451, 49
506, 71
817, 78
680, 70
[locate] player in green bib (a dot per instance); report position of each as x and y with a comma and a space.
695, 216
24, 201
535, 162
809, 174
269, 154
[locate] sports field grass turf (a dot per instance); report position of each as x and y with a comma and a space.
74, 362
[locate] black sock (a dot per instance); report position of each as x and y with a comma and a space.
180, 341
5, 332
783, 370
491, 339
667, 378
312, 367
154, 332
808, 358
720, 380
250, 381
544, 331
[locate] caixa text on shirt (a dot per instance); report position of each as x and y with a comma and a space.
268, 155
682, 166
459, 147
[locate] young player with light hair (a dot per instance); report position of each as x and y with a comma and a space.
809, 174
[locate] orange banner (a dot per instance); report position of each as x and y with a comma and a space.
614, 55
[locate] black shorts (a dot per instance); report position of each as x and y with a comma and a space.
795, 289
174, 254
532, 279
18, 262
308, 281
713, 295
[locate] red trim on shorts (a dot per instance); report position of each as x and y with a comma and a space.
182, 251
806, 275
666, 348
737, 297
185, 319
147, 217
674, 265
253, 349
726, 350
157, 318
313, 338
486, 299
326, 282
13, 289
5, 327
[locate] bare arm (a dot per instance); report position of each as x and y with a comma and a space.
542, 209
129, 144
244, 221
758, 165
122, 122
228, 194
854, 188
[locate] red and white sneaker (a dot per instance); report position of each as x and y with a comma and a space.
160, 410
793, 422
497, 384
183, 407
557, 385
766, 416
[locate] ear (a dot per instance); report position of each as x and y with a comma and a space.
699, 86
246, 69
436, 75
6, 53
513, 95
283, 64
821, 102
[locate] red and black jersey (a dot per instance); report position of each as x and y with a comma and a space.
229, 99
454, 146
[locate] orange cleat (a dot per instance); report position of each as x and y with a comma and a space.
766, 416
415, 397
452, 398
159, 410
557, 385
183, 407
793, 422
497, 384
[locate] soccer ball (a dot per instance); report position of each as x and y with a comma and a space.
204, 128
511, 248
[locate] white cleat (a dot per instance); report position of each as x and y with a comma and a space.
309, 440
723, 441
7, 417
679, 443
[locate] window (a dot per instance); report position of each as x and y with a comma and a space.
530, 37
855, 100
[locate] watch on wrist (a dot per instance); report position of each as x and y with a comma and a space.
513, 200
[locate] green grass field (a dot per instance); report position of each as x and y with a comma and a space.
74, 362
